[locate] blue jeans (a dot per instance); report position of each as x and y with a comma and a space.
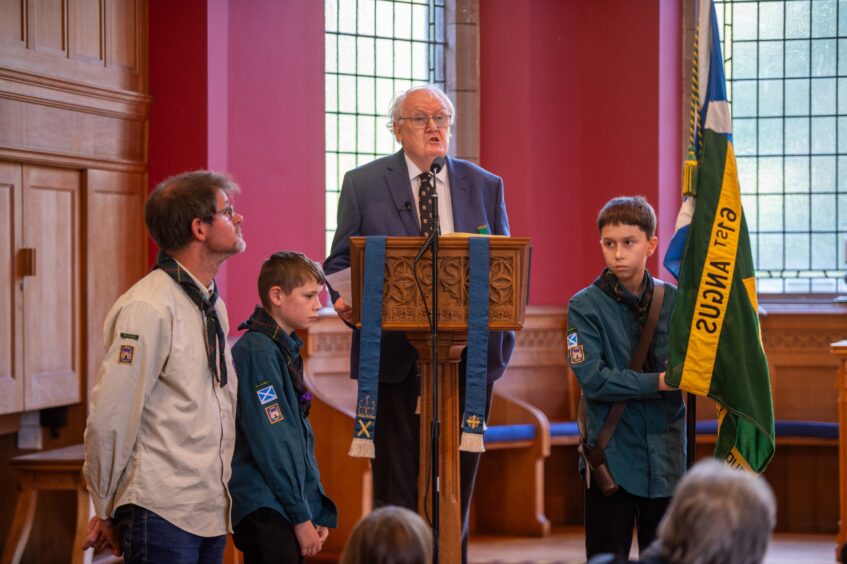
148, 538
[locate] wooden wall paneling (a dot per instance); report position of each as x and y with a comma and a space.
52, 307
86, 30
11, 302
13, 23
47, 21
116, 244
102, 43
122, 37
537, 372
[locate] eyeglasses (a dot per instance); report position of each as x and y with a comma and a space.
228, 212
419, 121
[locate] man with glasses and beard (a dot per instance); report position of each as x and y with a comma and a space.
161, 424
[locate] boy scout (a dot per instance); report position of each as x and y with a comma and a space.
645, 454
280, 511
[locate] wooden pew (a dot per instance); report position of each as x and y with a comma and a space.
804, 471
509, 489
347, 480
538, 377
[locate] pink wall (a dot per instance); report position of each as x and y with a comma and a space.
572, 115
276, 135
239, 87
178, 129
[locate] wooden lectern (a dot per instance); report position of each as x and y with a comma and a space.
403, 310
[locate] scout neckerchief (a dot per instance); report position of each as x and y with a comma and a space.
289, 345
215, 339
609, 283
473, 419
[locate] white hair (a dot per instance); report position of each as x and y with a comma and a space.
397, 102
718, 516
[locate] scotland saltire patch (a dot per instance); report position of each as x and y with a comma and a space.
572, 339
266, 395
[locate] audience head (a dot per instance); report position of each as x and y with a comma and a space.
421, 118
202, 195
718, 516
628, 210
389, 535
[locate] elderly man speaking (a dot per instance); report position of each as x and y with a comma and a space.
389, 196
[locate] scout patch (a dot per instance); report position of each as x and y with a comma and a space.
572, 339
126, 354
129, 336
266, 395
274, 413
576, 354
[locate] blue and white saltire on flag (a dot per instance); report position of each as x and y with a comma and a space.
709, 110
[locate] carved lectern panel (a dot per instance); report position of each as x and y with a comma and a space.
407, 287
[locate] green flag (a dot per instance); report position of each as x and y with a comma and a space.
715, 341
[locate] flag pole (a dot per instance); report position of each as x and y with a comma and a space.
689, 188
691, 420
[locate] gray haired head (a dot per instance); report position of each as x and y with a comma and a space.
400, 97
718, 516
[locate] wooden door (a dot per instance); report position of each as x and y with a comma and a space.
51, 298
11, 304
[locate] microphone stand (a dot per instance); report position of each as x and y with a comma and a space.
432, 244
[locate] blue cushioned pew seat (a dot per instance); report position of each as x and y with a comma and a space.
787, 432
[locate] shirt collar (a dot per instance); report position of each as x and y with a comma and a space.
208, 289
414, 171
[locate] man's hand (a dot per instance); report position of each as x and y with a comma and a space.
308, 538
663, 386
344, 311
101, 535
323, 533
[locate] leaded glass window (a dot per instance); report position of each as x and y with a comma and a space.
786, 66
374, 48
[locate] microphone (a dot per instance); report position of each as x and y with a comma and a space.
437, 164
407, 206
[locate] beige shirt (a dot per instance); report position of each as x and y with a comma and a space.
161, 431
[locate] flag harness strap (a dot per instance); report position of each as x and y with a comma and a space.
595, 457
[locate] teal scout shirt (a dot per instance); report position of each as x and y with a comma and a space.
274, 461
646, 455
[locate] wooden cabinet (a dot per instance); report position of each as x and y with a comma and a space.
41, 287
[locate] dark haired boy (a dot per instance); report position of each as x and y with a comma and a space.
646, 452
279, 509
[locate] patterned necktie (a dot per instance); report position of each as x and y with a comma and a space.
215, 338
425, 204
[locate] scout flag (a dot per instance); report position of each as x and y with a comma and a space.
715, 340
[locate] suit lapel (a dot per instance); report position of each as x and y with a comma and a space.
397, 180
459, 196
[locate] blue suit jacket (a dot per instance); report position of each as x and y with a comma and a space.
376, 199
